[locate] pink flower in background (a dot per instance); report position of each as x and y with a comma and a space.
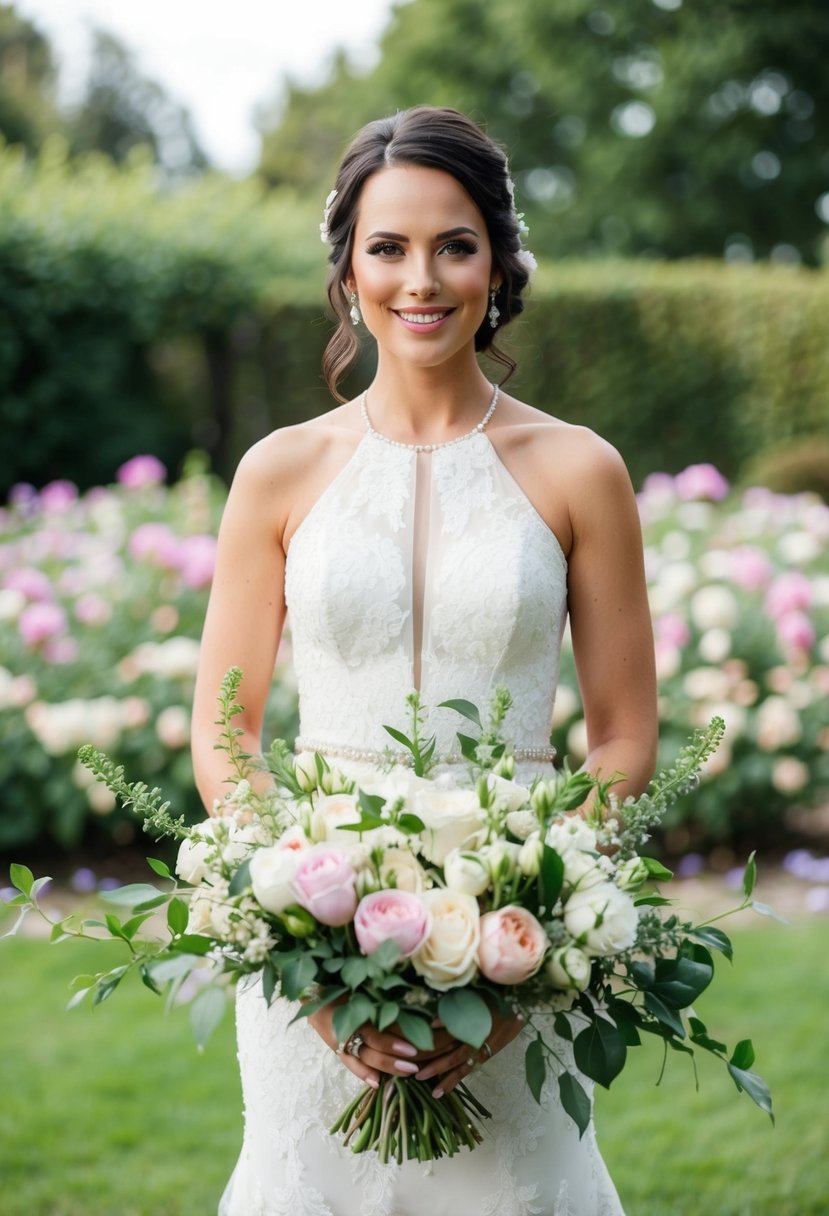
672, 630
156, 543
795, 631
749, 567
141, 471
392, 914
93, 610
790, 592
23, 497
39, 622
701, 481
197, 560
29, 582
512, 945
58, 496
324, 884
60, 651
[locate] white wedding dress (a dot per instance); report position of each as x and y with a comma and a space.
428, 569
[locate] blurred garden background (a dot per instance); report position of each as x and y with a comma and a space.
158, 315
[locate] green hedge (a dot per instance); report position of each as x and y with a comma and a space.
158, 321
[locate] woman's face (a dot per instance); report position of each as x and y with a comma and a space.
421, 264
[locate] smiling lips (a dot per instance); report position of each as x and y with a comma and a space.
424, 321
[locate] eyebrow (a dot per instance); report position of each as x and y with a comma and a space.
440, 236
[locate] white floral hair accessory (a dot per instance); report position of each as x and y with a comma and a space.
325, 235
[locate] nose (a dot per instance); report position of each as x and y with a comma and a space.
423, 280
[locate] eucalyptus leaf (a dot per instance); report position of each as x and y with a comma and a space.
351, 1016
764, 910
133, 894
206, 1012
465, 1015
383, 958
297, 976
171, 967
575, 1101
177, 916
465, 708
355, 971
241, 879
387, 1015
410, 823
416, 1030
193, 943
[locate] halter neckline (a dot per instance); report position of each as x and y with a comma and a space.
429, 447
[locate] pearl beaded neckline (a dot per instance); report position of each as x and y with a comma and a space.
429, 447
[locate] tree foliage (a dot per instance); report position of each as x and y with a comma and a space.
27, 81
634, 126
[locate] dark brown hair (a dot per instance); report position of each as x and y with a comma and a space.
436, 139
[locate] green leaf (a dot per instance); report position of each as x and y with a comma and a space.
678, 982
399, 737
652, 901
551, 876
171, 967
78, 997
562, 1027
269, 981
410, 823
700, 1036
134, 894
240, 881
206, 1012
664, 1015
743, 1056
113, 924
131, 927
765, 910
148, 981
656, 870
416, 1030
469, 747
710, 936
149, 904
465, 1015
193, 943
106, 988
371, 805
575, 1101
754, 1086
355, 971
750, 876
159, 867
383, 958
177, 916
297, 975
22, 877
600, 1051
349, 1017
388, 1014
465, 708
535, 1067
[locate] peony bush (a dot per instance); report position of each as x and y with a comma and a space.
739, 591
102, 598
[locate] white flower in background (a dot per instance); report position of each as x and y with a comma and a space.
602, 919
676, 545
529, 858
101, 800
522, 823
571, 833
715, 564
173, 727
820, 594
63, 726
715, 645
577, 739
799, 548
448, 957
271, 876
450, 816
714, 607
466, 872
777, 724
706, 684
569, 968
695, 516
174, 658
668, 662
676, 582
12, 603
789, 775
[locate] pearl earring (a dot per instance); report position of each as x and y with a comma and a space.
494, 311
356, 318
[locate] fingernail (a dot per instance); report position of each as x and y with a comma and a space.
437, 1093
405, 1066
404, 1049
373, 1082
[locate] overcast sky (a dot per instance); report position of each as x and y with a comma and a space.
219, 59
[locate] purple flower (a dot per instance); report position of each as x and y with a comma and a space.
83, 880
57, 496
24, 497
701, 481
30, 582
690, 865
141, 471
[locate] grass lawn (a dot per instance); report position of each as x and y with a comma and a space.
112, 1112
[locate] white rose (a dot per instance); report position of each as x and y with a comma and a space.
465, 872
450, 817
271, 876
305, 771
529, 858
714, 607
209, 913
569, 833
400, 868
241, 841
194, 851
330, 812
507, 795
631, 874
583, 870
448, 957
602, 919
502, 857
569, 968
522, 823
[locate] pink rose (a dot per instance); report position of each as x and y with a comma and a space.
391, 914
795, 631
39, 622
324, 884
141, 471
196, 560
790, 592
513, 945
701, 481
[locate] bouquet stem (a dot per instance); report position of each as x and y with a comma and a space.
403, 1121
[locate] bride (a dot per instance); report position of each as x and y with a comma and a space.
433, 533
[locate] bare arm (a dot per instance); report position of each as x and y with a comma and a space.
610, 621
244, 621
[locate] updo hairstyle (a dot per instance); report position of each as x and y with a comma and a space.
435, 138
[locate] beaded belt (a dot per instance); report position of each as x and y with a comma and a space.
521, 755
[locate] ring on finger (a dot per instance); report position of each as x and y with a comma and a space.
353, 1045
471, 1063
489, 1052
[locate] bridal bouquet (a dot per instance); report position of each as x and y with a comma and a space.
417, 899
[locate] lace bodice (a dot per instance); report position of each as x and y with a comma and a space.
427, 569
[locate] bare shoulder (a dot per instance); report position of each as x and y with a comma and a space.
289, 452
575, 454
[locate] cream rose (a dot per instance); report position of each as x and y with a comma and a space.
195, 851
450, 817
401, 869
271, 876
522, 823
507, 795
602, 919
568, 968
571, 832
466, 872
448, 957
330, 812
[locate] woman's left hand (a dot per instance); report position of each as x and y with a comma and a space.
460, 1060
